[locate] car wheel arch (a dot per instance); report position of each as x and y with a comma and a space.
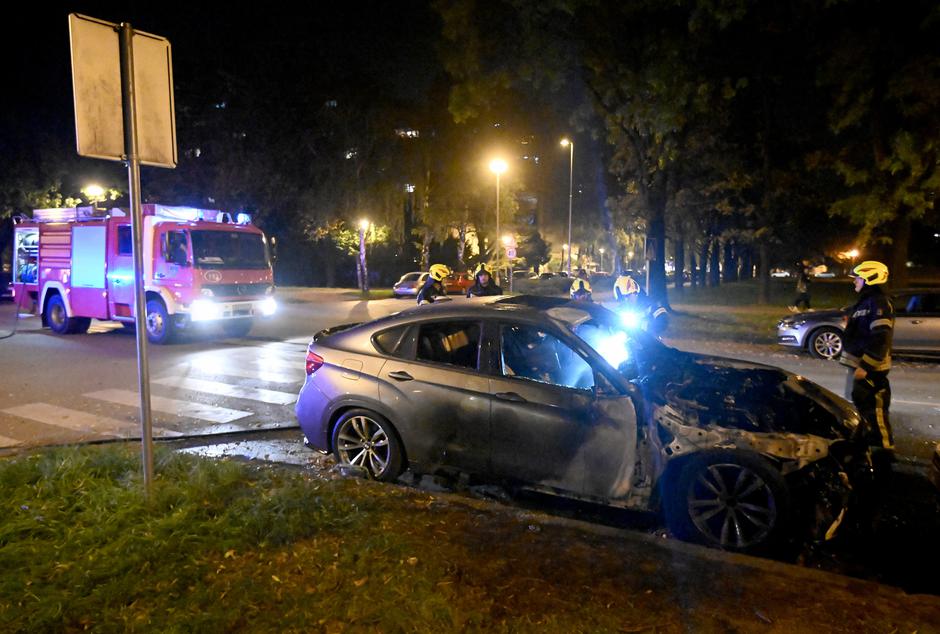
348, 405
675, 472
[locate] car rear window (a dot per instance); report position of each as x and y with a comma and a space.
452, 342
394, 341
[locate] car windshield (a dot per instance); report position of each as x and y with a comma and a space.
410, 277
229, 250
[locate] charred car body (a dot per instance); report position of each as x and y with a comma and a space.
562, 399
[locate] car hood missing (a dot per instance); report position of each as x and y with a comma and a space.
718, 392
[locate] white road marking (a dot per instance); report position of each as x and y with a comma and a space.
927, 403
209, 365
188, 409
79, 421
224, 389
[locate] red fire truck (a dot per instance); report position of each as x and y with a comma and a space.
200, 266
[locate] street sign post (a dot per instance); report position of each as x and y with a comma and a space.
123, 87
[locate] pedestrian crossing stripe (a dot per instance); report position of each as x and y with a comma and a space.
78, 421
188, 409
224, 389
209, 365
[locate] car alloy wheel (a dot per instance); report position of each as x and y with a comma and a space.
366, 441
732, 506
826, 343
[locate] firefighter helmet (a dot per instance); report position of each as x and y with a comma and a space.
439, 271
626, 285
872, 272
579, 286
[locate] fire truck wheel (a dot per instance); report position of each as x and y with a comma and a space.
58, 319
236, 327
160, 326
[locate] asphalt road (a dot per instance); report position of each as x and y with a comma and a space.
84, 387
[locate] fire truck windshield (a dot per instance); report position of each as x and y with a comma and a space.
229, 250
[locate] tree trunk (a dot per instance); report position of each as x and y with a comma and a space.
898, 273
763, 273
729, 270
680, 264
656, 237
703, 262
715, 264
330, 263
693, 270
747, 271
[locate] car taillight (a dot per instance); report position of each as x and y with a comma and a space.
314, 361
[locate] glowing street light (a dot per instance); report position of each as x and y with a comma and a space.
569, 144
498, 166
94, 193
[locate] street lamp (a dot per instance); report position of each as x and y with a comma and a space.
498, 166
363, 269
569, 144
94, 193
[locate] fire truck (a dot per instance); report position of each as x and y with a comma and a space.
201, 266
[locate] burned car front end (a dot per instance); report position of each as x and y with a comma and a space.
735, 454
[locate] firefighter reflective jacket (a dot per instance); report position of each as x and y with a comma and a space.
869, 331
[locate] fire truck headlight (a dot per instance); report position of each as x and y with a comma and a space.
207, 292
268, 306
203, 309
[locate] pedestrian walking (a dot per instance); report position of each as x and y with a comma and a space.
867, 352
802, 286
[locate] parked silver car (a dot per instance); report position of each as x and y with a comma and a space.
916, 326
560, 397
409, 284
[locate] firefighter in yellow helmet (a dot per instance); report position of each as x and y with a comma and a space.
581, 288
867, 351
641, 309
434, 285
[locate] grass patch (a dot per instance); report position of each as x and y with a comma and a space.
223, 546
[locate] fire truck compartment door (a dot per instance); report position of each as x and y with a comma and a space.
121, 272
87, 296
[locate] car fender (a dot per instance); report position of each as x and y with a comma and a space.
352, 401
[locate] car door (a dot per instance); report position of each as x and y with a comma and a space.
917, 322
436, 390
548, 427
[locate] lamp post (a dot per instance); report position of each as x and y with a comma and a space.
363, 269
498, 166
570, 145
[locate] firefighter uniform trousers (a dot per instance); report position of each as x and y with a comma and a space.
872, 397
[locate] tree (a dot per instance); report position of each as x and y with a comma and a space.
884, 75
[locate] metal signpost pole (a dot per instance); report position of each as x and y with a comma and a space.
570, 195
137, 232
499, 240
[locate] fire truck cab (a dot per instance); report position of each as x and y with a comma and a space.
200, 266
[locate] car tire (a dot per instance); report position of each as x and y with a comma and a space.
236, 327
825, 343
367, 440
161, 328
729, 500
58, 320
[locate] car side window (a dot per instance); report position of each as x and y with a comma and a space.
527, 352
395, 342
918, 304
452, 343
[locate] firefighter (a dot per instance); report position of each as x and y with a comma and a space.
867, 352
654, 315
484, 285
581, 288
434, 285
